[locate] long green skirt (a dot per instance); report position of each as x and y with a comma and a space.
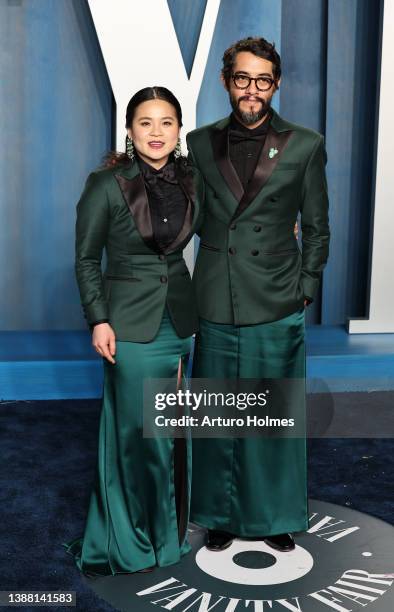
139, 507
257, 486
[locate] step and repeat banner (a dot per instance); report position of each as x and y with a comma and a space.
68, 69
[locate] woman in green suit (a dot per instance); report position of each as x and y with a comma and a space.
141, 209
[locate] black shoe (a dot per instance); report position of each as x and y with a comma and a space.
283, 542
218, 540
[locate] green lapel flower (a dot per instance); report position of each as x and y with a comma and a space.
272, 152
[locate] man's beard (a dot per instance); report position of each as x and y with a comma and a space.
251, 117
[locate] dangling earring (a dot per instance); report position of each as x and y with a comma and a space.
178, 150
129, 148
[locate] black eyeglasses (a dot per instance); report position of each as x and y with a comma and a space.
242, 81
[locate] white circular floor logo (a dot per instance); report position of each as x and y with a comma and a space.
344, 562
287, 566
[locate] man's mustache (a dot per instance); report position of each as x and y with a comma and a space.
256, 99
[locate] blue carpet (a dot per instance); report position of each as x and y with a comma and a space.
47, 471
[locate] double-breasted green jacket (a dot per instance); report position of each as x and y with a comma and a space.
139, 280
249, 267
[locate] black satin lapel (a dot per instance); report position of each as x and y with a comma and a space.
219, 138
136, 198
188, 185
265, 166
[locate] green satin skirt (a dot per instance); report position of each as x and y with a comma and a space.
139, 506
258, 486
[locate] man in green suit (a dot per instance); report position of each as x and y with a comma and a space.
252, 284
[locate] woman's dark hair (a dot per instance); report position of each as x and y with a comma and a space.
114, 158
152, 93
257, 46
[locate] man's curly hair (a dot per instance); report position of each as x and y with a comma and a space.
258, 46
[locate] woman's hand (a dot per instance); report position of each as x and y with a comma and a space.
103, 340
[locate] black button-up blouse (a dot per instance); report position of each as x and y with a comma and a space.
167, 201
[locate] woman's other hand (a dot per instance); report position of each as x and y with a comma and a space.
103, 340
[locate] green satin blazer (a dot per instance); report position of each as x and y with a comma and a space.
139, 280
249, 267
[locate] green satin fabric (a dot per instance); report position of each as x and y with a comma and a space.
257, 486
132, 521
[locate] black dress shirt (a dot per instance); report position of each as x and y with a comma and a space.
167, 201
245, 145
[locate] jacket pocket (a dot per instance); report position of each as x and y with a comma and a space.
203, 245
286, 252
130, 279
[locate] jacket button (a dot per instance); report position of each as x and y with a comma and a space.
233, 226
257, 228
254, 252
163, 279
232, 250
162, 257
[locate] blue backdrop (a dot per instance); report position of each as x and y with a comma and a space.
56, 114
55, 110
